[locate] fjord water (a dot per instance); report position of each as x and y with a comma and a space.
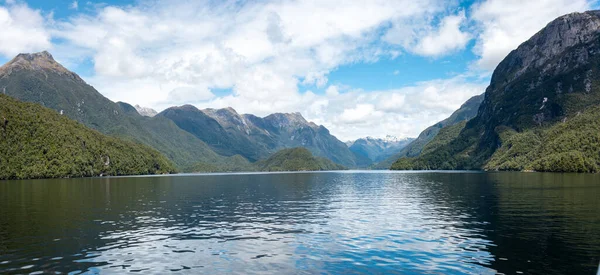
304, 223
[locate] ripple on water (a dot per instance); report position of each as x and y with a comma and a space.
303, 223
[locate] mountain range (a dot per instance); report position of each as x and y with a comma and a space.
540, 112
190, 137
370, 150
229, 133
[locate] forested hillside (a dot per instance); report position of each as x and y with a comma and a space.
36, 142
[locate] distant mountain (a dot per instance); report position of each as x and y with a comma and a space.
40, 79
36, 142
466, 112
255, 138
296, 159
531, 115
373, 150
145, 111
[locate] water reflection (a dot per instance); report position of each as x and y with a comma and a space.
404, 223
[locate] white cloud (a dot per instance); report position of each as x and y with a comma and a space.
188, 94
401, 112
257, 49
22, 30
74, 5
418, 36
361, 113
505, 24
332, 90
446, 39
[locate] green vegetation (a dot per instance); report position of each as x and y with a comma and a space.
235, 163
457, 154
229, 133
38, 78
572, 146
36, 142
444, 136
296, 159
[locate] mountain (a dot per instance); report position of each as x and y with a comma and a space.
547, 81
466, 112
229, 133
225, 136
40, 79
377, 149
145, 111
38, 142
296, 159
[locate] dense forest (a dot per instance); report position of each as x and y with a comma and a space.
37, 142
296, 159
569, 146
293, 159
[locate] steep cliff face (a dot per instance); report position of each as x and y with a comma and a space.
547, 80
546, 77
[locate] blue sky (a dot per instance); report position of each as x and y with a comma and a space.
381, 67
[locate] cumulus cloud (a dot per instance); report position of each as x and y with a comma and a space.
505, 24
419, 36
401, 112
259, 50
23, 30
448, 38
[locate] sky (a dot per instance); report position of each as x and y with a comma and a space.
360, 68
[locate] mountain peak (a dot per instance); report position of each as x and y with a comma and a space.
562, 33
45, 55
281, 120
145, 111
41, 61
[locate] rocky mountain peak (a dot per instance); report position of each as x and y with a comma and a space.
41, 61
287, 119
550, 42
227, 117
145, 111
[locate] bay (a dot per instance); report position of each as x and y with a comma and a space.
348, 222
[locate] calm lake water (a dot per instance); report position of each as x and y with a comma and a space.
304, 223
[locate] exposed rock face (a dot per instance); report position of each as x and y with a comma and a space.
549, 43
553, 65
42, 61
145, 111
547, 79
